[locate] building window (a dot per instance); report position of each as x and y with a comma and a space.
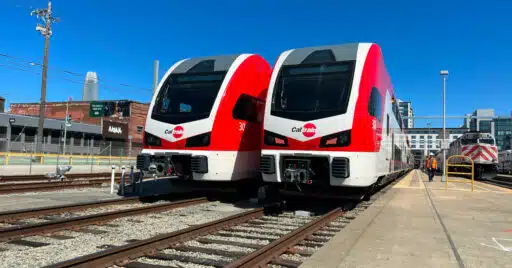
140, 129
422, 137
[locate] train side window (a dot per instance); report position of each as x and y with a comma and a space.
387, 124
247, 108
374, 104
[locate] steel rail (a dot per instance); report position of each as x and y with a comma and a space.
14, 215
10, 233
50, 187
122, 254
263, 256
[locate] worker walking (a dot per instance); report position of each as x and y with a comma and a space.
431, 167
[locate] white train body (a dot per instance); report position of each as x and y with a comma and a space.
331, 121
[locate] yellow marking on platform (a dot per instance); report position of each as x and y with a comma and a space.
405, 182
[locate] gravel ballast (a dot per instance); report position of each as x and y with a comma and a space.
135, 227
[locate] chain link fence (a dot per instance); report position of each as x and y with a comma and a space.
83, 154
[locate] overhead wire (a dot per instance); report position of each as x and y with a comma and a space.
101, 82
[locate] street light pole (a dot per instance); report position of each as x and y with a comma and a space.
427, 140
444, 75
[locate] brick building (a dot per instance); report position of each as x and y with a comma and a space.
123, 121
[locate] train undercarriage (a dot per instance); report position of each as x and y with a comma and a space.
310, 177
481, 172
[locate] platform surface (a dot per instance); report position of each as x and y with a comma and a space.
423, 224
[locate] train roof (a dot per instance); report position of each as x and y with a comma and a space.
206, 64
318, 54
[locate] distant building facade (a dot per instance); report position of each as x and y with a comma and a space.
500, 128
122, 123
428, 140
406, 110
503, 133
482, 124
90, 90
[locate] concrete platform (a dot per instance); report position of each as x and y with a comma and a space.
422, 224
56, 198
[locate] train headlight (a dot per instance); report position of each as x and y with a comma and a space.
339, 139
152, 140
200, 140
273, 139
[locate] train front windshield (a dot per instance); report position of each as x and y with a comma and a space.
313, 91
187, 97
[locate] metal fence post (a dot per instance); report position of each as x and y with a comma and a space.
30, 169
110, 153
122, 180
112, 181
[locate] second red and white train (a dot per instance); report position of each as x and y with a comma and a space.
329, 124
480, 147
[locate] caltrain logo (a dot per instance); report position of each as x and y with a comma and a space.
177, 132
308, 130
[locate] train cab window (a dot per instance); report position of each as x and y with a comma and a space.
248, 108
374, 104
468, 141
486, 141
306, 92
187, 97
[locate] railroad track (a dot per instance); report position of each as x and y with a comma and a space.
505, 182
174, 247
15, 215
247, 239
42, 177
8, 188
17, 232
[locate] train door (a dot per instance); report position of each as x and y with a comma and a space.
393, 152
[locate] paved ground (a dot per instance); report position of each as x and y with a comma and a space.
422, 224
33, 200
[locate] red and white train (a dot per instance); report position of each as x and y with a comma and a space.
480, 147
332, 126
205, 120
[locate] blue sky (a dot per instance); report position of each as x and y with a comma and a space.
120, 39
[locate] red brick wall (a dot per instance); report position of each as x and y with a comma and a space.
79, 112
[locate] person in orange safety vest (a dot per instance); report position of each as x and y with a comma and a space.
431, 166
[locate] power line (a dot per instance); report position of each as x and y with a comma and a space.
103, 81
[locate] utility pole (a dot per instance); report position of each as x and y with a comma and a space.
155, 75
45, 15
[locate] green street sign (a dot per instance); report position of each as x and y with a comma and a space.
97, 109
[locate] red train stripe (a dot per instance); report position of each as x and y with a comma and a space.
471, 151
489, 152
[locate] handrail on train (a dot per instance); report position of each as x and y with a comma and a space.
472, 173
